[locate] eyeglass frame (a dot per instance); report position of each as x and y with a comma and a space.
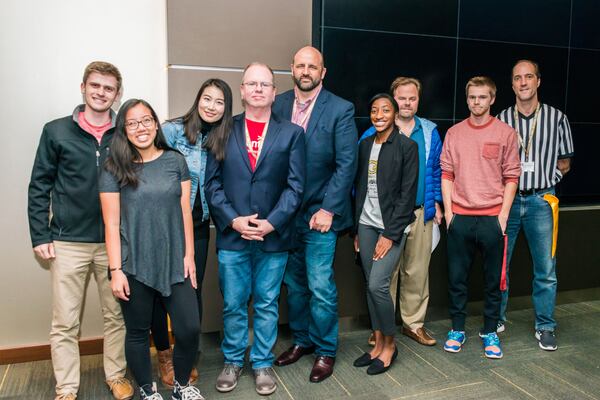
254, 85
137, 123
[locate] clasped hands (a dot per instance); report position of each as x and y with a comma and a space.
252, 228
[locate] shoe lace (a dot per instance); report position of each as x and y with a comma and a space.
455, 335
153, 396
230, 369
491, 339
118, 381
189, 393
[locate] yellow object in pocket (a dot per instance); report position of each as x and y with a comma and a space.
553, 201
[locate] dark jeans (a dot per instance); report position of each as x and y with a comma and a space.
466, 234
312, 294
160, 327
137, 313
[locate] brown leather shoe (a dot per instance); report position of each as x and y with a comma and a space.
322, 368
420, 336
165, 367
293, 354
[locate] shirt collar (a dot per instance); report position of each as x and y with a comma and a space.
309, 101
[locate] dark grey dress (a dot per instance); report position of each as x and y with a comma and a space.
152, 235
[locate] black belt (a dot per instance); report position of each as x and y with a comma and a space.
530, 192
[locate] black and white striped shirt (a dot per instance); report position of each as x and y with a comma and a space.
552, 140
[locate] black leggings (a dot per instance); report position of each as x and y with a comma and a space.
160, 328
137, 313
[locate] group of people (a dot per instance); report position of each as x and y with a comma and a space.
130, 200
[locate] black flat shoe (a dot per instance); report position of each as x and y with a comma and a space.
363, 360
377, 366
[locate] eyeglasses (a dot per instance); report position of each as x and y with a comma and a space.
253, 85
132, 124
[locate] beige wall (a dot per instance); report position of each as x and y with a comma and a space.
45, 45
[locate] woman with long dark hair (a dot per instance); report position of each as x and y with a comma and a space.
145, 197
386, 189
206, 125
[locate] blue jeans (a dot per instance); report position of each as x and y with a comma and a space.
243, 273
534, 215
312, 294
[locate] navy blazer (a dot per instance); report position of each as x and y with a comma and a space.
331, 157
273, 190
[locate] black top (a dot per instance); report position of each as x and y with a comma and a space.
65, 174
397, 178
152, 235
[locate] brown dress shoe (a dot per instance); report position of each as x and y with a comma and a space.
165, 367
293, 354
322, 368
420, 336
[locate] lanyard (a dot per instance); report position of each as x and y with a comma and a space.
261, 140
531, 130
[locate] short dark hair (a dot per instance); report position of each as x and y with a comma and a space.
384, 96
104, 68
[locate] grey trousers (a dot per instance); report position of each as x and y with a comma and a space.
378, 275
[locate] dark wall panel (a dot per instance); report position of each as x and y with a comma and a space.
365, 63
522, 21
406, 16
367, 44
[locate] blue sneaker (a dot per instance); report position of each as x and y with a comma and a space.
454, 341
491, 345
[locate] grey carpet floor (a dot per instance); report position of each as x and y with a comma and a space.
525, 372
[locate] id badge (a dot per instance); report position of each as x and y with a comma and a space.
527, 166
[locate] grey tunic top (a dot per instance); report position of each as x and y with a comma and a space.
152, 235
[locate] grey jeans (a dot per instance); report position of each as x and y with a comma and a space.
378, 275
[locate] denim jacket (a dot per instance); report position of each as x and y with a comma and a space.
195, 156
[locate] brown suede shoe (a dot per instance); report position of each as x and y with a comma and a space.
193, 375
121, 388
292, 355
322, 368
165, 367
420, 336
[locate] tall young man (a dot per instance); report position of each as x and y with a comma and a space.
66, 228
546, 149
480, 171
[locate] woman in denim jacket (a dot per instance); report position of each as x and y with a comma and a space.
205, 125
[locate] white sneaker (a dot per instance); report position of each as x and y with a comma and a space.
501, 328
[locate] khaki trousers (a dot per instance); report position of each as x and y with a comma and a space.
413, 269
69, 271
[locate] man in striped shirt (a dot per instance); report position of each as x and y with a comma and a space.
546, 149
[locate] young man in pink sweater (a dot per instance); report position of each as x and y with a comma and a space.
480, 172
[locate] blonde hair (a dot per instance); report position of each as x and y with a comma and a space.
481, 81
404, 80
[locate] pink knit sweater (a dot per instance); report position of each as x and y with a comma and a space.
480, 160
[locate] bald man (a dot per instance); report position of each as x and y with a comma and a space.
330, 138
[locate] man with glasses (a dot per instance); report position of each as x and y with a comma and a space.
546, 149
253, 194
64, 178
330, 140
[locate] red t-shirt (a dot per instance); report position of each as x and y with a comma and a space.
95, 131
255, 130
